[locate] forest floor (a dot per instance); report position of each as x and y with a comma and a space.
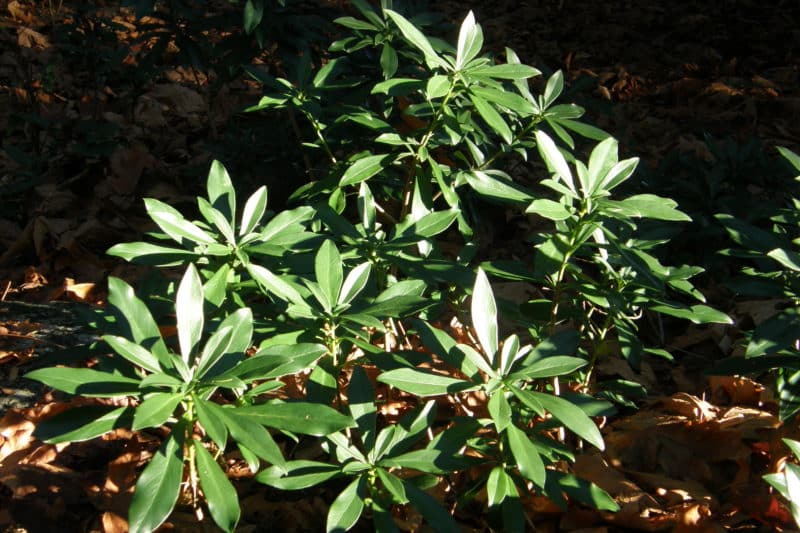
701, 91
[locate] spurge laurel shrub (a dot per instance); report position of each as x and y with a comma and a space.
333, 299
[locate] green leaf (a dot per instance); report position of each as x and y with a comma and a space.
253, 13
144, 253
297, 475
416, 38
363, 169
83, 423
648, 206
297, 417
509, 71
133, 353
437, 87
155, 410
388, 61
485, 184
220, 190
788, 259
586, 492
133, 312
492, 117
277, 361
354, 283
790, 156
361, 398
215, 289
158, 486
499, 410
221, 497
427, 226
346, 509
512, 101
217, 219
470, 41
572, 417
248, 433
779, 332
422, 383
499, 486
554, 159
699, 314
484, 314
547, 367
355, 24
272, 284
253, 211
328, 269
436, 516
213, 425
189, 310
548, 209
173, 223
86, 382
553, 89
529, 462
394, 486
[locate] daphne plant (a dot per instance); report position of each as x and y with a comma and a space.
177, 390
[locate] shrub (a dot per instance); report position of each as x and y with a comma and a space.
354, 283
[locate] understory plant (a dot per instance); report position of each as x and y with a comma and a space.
299, 325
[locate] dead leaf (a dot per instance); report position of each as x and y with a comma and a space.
28, 38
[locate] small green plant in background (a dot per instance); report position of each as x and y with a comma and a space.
787, 483
355, 282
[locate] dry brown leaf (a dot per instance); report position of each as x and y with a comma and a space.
28, 38
113, 523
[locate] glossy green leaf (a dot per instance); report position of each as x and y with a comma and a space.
346, 509
213, 425
217, 219
470, 41
219, 493
492, 117
355, 24
158, 486
554, 159
328, 269
155, 410
484, 314
216, 346
509, 71
422, 383
354, 283
143, 328
297, 475
499, 410
499, 486
547, 367
274, 284
394, 486
512, 101
553, 89
572, 417
699, 314
649, 206
487, 185
297, 417
189, 310
363, 169
416, 38
215, 289
133, 352
173, 223
437, 87
253, 211
787, 258
144, 253
388, 61
248, 433
361, 403
277, 361
220, 189
83, 423
529, 462
86, 382
548, 209
437, 517
253, 13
